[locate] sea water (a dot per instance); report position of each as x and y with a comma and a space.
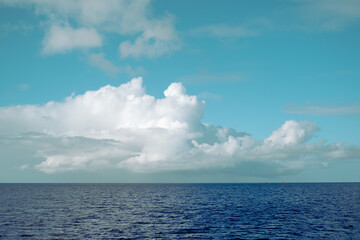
180, 211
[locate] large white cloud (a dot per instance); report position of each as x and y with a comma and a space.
126, 128
81, 24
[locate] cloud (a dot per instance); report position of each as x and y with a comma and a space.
352, 110
99, 60
150, 47
145, 35
225, 31
291, 133
209, 95
20, 26
308, 15
64, 39
329, 15
252, 27
158, 38
23, 87
213, 78
23, 167
123, 127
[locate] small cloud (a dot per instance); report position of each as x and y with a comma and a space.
64, 39
131, 72
213, 78
98, 60
208, 95
291, 133
352, 110
23, 167
23, 87
157, 38
225, 31
154, 42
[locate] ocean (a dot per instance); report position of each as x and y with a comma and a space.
180, 211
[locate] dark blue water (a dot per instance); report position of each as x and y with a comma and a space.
180, 211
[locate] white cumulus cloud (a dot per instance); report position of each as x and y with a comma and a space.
124, 127
291, 133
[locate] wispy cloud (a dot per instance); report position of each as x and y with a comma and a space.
328, 15
98, 60
304, 15
21, 27
352, 110
250, 28
213, 78
157, 39
23, 167
208, 95
23, 87
224, 31
123, 127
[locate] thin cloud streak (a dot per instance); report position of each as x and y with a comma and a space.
213, 78
23, 87
328, 15
352, 110
224, 31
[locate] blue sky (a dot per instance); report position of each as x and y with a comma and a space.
276, 85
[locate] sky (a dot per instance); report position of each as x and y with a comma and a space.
179, 91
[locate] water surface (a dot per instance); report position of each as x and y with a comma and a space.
180, 211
